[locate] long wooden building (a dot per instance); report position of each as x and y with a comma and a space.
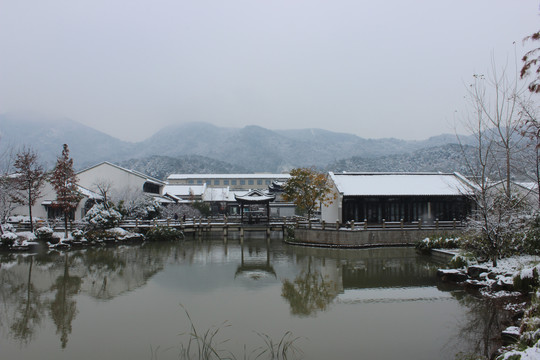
378, 197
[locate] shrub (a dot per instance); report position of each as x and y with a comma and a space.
77, 235
526, 280
44, 233
102, 217
458, 261
8, 239
438, 242
164, 233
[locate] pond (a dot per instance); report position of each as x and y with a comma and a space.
142, 302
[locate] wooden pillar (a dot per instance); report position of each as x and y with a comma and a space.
337, 224
352, 224
365, 224
323, 224
384, 223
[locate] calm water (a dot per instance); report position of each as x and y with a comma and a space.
128, 302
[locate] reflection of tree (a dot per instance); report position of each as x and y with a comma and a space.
63, 307
29, 310
483, 324
309, 292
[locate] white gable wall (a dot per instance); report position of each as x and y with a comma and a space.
120, 179
332, 212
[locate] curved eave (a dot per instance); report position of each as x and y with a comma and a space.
255, 199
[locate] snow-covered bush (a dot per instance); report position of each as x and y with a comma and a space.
44, 233
164, 233
438, 242
8, 227
101, 217
77, 235
526, 280
120, 234
8, 238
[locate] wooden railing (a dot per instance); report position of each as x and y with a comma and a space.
222, 222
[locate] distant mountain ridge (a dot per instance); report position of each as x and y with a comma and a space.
198, 147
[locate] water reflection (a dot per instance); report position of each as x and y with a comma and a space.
312, 290
29, 308
64, 308
53, 290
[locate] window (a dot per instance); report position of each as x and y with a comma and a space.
225, 182
233, 182
208, 182
242, 182
199, 182
250, 182
190, 181
216, 182
259, 182
267, 182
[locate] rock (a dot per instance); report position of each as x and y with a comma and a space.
451, 275
474, 271
510, 335
475, 284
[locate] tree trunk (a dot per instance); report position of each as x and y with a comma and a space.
66, 224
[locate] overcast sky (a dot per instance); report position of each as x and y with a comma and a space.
391, 68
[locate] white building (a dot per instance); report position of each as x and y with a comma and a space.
119, 179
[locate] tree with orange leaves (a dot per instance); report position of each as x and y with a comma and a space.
308, 189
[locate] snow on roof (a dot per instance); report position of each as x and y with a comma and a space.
184, 190
404, 184
218, 194
255, 196
227, 176
88, 193
134, 172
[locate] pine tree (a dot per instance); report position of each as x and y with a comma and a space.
28, 181
64, 180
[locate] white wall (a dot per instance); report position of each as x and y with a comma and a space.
119, 179
40, 211
332, 213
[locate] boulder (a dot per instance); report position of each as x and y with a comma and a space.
474, 271
451, 275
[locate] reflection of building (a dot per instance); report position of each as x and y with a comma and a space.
398, 196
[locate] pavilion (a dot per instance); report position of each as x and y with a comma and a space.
255, 197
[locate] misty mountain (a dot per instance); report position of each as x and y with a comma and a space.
444, 158
87, 146
194, 147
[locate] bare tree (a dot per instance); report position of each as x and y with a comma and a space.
7, 205
530, 129
493, 121
28, 180
104, 188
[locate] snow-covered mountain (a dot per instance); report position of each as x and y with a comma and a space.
203, 147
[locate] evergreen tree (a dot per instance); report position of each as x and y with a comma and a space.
29, 180
64, 180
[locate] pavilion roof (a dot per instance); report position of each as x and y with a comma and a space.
255, 196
